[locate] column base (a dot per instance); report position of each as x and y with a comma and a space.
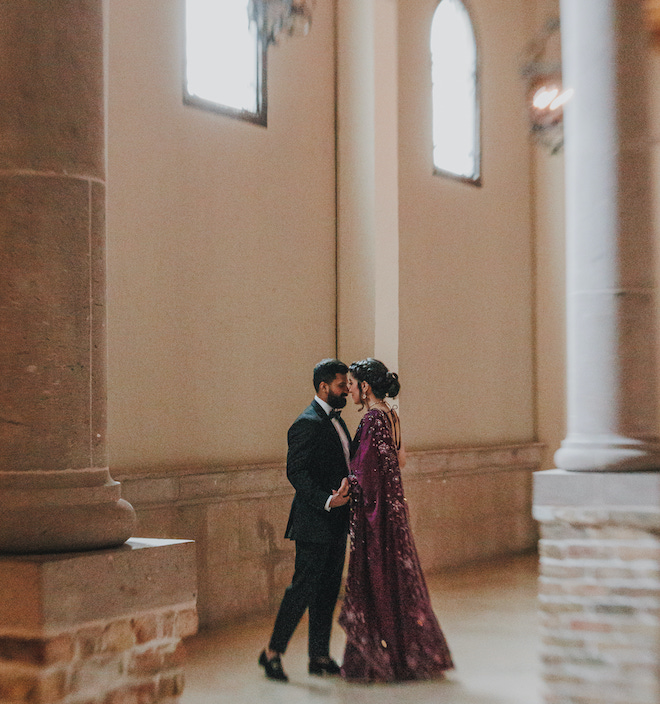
609, 453
46, 512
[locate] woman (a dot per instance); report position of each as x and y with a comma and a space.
391, 631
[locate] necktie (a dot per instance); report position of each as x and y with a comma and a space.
335, 413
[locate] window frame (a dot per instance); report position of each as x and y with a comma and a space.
437, 171
260, 117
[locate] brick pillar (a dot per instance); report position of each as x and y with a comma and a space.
599, 587
54, 480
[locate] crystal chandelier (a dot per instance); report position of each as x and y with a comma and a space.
276, 17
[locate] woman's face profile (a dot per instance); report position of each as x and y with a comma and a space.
354, 389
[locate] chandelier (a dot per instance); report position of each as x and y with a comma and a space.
274, 18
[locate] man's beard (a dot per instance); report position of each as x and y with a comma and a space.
336, 401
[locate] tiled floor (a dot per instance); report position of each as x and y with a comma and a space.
488, 615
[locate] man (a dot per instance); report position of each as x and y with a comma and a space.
317, 466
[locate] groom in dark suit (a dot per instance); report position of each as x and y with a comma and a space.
317, 466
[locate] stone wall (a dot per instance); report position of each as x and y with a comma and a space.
466, 504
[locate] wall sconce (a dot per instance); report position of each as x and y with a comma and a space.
546, 96
276, 17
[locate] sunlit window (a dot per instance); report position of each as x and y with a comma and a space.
455, 97
225, 63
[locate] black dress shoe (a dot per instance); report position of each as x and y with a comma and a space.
319, 666
273, 667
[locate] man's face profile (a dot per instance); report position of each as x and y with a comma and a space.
337, 391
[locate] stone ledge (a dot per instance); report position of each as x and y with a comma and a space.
186, 485
475, 460
47, 594
558, 487
643, 518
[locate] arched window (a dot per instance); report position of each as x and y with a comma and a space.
456, 148
225, 60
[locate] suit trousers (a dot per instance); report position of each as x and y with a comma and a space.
315, 585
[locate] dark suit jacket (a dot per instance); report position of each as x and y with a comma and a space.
315, 465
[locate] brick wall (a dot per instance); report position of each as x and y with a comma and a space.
599, 595
131, 660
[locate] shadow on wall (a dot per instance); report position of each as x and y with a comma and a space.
272, 557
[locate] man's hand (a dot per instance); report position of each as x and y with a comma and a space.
341, 496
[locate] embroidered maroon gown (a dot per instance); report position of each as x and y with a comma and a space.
391, 630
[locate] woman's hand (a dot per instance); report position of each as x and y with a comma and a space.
402, 456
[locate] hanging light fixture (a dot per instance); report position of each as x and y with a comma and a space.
546, 95
273, 18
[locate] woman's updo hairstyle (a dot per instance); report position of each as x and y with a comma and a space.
382, 381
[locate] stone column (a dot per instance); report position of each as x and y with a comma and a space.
599, 548
56, 488
611, 361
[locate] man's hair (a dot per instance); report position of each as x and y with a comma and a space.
326, 370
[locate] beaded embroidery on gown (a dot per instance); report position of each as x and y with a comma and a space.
391, 631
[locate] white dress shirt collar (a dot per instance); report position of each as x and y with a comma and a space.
338, 427
324, 405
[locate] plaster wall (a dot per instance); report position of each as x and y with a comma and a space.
550, 283
550, 311
214, 281
221, 247
466, 347
654, 84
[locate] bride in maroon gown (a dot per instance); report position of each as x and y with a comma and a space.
391, 631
